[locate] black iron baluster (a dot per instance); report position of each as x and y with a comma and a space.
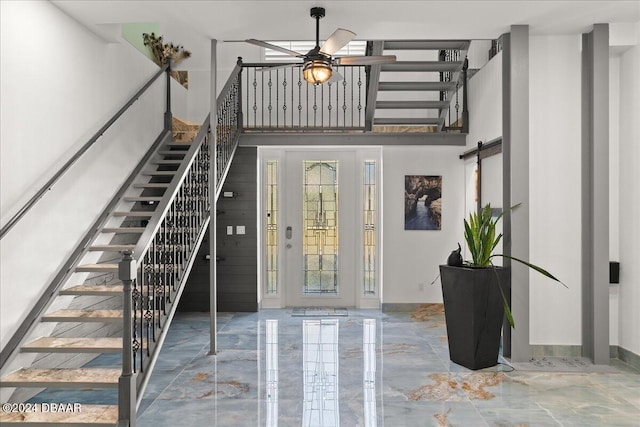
329, 107
270, 107
300, 100
315, 105
344, 97
359, 96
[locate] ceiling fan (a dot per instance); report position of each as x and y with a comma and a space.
318, 62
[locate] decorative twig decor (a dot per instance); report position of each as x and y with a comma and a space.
161, 51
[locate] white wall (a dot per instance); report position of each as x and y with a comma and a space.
555, 188
485, 124
629, 211
59, 84
411, 258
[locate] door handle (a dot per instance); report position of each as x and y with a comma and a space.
289, 232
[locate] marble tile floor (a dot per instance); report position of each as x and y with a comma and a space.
366, 369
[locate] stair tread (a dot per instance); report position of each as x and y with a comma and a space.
112, 248
425, 44
172, 152
134, 213
411, 104
91, 345
83, 316
92, 290
99, 377
159, 173
143, 198
166, 162
422, 66
123, 230
97, 415
88, 268
416, 86
406, 121
151, 185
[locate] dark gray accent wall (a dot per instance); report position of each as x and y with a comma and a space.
237, 270
595, 194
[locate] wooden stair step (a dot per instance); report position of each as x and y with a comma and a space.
133, 213
425, 44
159, 173
97, 268
423, 66
86, 415
67, 378
419, 121
416, 86
103, 316
123, 230
151, 185
143, 198
111, 248
166, 162
418, 105
172, 152
97, 290
73, 345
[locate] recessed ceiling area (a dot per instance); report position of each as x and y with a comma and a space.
370, 20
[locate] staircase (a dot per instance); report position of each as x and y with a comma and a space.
73, 346
416, 93
91, 323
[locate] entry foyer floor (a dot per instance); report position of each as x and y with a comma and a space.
366, 369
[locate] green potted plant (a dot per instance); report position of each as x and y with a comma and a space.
474, 294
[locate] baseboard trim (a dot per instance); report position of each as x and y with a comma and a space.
556, 350
628, 357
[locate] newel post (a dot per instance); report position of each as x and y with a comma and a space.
167, 114
127, 389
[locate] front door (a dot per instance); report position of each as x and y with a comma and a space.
320, 232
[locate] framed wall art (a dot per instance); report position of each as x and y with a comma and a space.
422, 202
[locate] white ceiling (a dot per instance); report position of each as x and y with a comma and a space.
373, 19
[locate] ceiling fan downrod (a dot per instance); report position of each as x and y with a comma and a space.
317, 13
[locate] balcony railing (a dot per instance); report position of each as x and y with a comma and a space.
279, 99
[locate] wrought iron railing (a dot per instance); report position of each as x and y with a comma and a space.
456, 118
279, 99
155, 272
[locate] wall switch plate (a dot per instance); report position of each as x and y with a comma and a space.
229, 230
241, 229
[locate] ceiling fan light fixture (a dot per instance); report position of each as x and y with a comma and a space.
317, 71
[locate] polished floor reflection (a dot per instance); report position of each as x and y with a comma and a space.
366, 369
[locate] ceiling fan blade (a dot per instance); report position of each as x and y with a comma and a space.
365, 60
335, 77
274, 47
277, 67
337, 41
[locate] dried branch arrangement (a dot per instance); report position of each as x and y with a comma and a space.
161, 51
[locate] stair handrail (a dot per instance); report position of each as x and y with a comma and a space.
166, 68
168, 247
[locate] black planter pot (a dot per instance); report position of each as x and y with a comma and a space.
474, 313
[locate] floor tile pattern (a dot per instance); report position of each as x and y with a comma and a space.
366, 369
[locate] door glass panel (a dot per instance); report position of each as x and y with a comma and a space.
320, 222
369, 238
272, 228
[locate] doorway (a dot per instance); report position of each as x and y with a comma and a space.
320, 244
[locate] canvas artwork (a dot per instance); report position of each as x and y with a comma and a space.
422, 202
